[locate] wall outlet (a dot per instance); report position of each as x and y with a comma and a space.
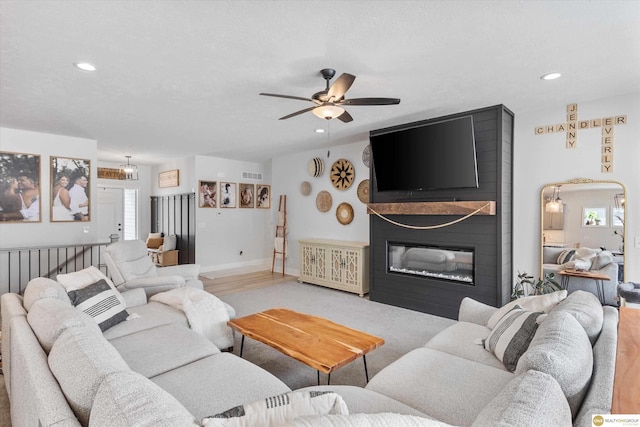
636, 242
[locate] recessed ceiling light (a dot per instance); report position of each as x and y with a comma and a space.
550, 76
85, 66
319, 130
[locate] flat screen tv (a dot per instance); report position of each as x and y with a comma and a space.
435, 156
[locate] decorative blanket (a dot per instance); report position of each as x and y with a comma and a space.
206, 314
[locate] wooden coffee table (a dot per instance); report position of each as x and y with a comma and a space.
314, 341
599, 279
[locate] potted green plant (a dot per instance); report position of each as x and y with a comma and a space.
526, 285
592, 218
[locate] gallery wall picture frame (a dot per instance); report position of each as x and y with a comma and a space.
247, 195
227, 194
207, 194
70, 189
169, 178
20, 192
263, 196
595, 216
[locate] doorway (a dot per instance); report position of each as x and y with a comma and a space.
118, 213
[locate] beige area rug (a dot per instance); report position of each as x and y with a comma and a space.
403, 330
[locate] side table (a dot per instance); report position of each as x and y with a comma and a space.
599, 279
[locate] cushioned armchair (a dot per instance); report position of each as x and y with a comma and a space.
130, 267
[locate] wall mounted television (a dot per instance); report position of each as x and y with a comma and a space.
434, 156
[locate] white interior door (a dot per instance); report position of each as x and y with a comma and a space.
110, 213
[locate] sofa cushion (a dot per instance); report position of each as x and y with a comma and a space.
276, 410
361, 400
601, 259
125, 398
80, 359
219, 382
40, 288
531, 399
158, 350
587, 310
49, 317
147, 316
561, 349
511, 336
440, 385
131, 259
460, 339
544, 303
101, 302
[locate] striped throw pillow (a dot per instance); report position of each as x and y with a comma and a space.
100, 301
511, 336
565, 256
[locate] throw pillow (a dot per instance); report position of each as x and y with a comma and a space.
277, 410
100, 302
511, 336
544, 303
565, 256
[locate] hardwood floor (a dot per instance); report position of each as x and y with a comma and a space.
243, 282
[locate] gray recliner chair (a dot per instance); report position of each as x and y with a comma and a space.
130, 267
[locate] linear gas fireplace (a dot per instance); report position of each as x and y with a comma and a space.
453, 264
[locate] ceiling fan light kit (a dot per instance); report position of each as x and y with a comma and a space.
328, 102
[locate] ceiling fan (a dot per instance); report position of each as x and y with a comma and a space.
329, 102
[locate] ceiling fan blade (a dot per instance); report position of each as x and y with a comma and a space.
297, 113
345, 117
288, 97
369, 101
340, 86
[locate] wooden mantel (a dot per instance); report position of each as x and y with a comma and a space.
433, 208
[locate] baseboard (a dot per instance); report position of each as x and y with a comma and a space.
225, 270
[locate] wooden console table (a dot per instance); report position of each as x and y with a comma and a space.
626, 382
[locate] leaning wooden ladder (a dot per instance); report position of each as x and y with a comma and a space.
280, 241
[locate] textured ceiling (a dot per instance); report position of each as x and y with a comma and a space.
178, 78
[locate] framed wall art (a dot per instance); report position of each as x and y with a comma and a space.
263, 196
227, 194
208, 194
69, 189
247, 192
169, 178
20, 197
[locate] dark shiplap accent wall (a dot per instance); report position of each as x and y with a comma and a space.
491, 236
175, 214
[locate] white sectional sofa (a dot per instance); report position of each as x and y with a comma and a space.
61, 369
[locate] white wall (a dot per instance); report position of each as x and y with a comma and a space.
222, 233
45, 232
304, 220
543, 159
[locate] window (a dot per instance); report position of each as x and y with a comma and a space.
130, 214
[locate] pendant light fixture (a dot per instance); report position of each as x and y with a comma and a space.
554, 205
129, 171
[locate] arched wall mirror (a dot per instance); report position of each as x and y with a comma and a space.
582, 213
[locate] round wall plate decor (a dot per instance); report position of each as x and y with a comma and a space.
344, 213
342, 174
366, 155
305, 188
324, 201
316, 167
363, 191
